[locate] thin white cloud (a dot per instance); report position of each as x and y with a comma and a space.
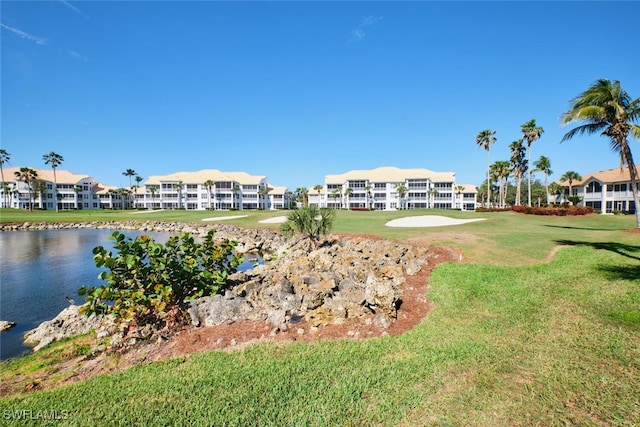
76, 55
37, 40
72, 7
370, 20
358, 33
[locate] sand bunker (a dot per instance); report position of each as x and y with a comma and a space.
428, 221
146, 211
274, 220
223, 218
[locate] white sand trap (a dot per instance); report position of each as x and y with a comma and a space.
274, 220
148, 211
428, 221
223, 218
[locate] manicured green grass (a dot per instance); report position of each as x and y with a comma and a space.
512, 340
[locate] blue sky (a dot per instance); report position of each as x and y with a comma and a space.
299, 90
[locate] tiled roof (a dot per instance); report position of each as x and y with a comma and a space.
62, 176
277, 190
390, 174
200, 177
607, 176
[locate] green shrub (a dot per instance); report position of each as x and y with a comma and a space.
310, 221
148, 283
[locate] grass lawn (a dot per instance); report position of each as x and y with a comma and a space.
513, 339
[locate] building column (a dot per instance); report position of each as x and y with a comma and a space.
604, 200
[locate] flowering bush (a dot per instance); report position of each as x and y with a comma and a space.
552, 211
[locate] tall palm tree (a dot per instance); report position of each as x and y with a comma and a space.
178, 186
77, 189
152, 190
208, 184
554, 189
263, 192
606, 108
570, 177
318, 189
41, 189
368, 189
432, 192
335, 194
55, 160
485, 139
459, 189
130, 173
347, 193
402, 191
111, 192
519, 166
501, 170
28, 176
543, 164
138, 180
530, 134
235, 190
4, 158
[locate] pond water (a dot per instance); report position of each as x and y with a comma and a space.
39, 269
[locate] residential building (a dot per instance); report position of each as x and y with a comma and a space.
378, 189
229, 190
74, 191
605, 191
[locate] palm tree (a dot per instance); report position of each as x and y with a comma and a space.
543, 164
152, 190
554, 189
347, 193
209, 184
55, 160
368, 189
111, 192
432, 192
530, 134
29, 176
318, 189
4, 158
609, 110
310, 221
335, 193
138, 180
501, 170
570, 176
402, 191
41, 188
130, 173
262, 192
519, 166
289, 196
124, 196
6, 191
235, 190
77, 189
302, 195
459, 190
178, 186
484, 139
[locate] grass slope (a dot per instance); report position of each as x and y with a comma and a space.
541, 344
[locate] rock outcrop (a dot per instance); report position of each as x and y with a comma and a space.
345, 278
352, 278
5, 326
67, 323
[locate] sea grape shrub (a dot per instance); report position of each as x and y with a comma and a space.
148, 282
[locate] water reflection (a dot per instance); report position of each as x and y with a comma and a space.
39, 269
